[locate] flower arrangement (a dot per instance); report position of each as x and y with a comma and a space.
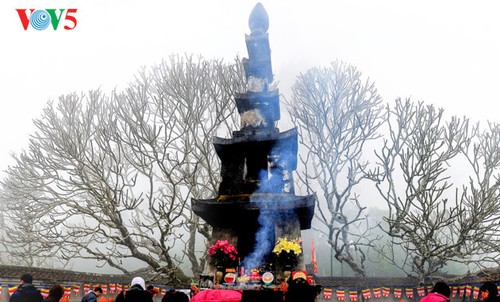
223, 254
287, 251
288, 246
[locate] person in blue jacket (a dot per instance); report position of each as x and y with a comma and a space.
93, 295
26, 292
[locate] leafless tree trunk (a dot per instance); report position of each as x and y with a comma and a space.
431, 219
115, 175
337, 115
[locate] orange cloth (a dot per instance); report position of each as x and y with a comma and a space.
102, 298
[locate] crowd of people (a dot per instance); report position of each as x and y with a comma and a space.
441, 293
137, 292
298, 291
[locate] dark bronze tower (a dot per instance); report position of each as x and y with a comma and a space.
257, 201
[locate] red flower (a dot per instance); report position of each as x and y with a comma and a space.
223, 253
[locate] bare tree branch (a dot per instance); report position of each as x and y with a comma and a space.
431, 219
337, 114
113, 177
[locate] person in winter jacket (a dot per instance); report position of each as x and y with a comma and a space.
175, 296
151, 289
136, 293
299, 290
55, 293
489, 292
26, 292
102, 298
439, 293
93, 295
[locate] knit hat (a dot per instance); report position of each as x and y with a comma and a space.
299, 274
138, 280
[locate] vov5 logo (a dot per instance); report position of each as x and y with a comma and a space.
40, 19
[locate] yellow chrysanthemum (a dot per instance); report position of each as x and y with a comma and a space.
285, 245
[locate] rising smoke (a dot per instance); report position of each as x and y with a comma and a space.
272, 215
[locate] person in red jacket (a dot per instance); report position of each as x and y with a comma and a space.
439, 293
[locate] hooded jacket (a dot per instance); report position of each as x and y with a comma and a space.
26, 292
435, 297
136, 293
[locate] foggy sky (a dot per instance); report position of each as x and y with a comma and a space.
441, 52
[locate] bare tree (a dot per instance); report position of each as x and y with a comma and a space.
18, 237
431, 219
337, 115
483, 194
115, 175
